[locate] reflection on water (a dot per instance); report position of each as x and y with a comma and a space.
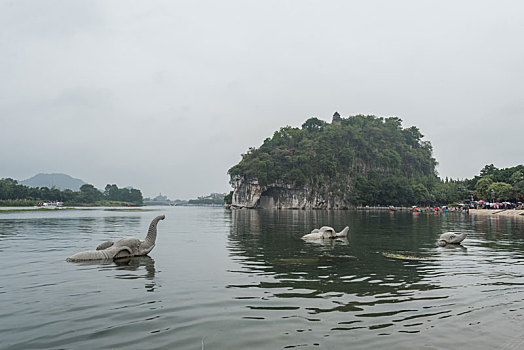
54, 304
139, 267
356, 287
333, 269
133, 265
244, 279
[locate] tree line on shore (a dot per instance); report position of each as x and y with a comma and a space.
14, 194
493, 184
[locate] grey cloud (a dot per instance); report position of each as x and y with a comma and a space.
165, 95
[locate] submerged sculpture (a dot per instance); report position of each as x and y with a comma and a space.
125, 247
451, 238
326, 232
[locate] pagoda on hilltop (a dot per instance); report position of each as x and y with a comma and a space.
336, 119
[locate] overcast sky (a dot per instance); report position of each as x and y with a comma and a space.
165, 96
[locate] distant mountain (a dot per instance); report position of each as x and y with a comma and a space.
59, 181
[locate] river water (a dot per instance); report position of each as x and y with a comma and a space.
244, 279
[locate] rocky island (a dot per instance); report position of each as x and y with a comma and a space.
353, 161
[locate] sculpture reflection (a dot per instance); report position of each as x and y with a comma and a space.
135, 264
328, 242
268, 242
453, 248
138, 267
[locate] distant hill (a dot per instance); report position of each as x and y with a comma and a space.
59, 181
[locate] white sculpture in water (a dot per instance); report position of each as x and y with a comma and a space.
325, 232
451, 238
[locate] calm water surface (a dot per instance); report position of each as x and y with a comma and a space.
244, 279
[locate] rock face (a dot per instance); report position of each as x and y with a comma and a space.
250, 194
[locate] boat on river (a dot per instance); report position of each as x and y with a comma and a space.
50, 205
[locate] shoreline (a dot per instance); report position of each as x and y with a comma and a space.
32, 209
498, 212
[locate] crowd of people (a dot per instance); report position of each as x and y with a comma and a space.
466, 206
496, 205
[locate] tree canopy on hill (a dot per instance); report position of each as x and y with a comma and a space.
383, 162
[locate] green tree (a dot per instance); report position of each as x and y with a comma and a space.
314, 124
488, 170
421, 194
482, 188
518, 188
516, 177
89, 194
502, 191
111, 192
228, 198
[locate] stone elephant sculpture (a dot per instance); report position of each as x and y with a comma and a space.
451, 238
326, 232
124, 247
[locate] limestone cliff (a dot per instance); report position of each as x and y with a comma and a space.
250, 194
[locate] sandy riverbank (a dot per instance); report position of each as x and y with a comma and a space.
498, 212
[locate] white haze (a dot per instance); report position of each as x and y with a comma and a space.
166, 95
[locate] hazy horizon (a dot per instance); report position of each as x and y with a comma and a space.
165, 96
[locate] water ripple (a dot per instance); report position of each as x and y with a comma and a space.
246, 280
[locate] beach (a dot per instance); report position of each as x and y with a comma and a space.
498, 212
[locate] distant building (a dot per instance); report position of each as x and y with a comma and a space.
336, 119
213, 196
160, 198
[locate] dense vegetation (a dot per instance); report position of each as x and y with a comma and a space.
14, 194
366, 160
505, 184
